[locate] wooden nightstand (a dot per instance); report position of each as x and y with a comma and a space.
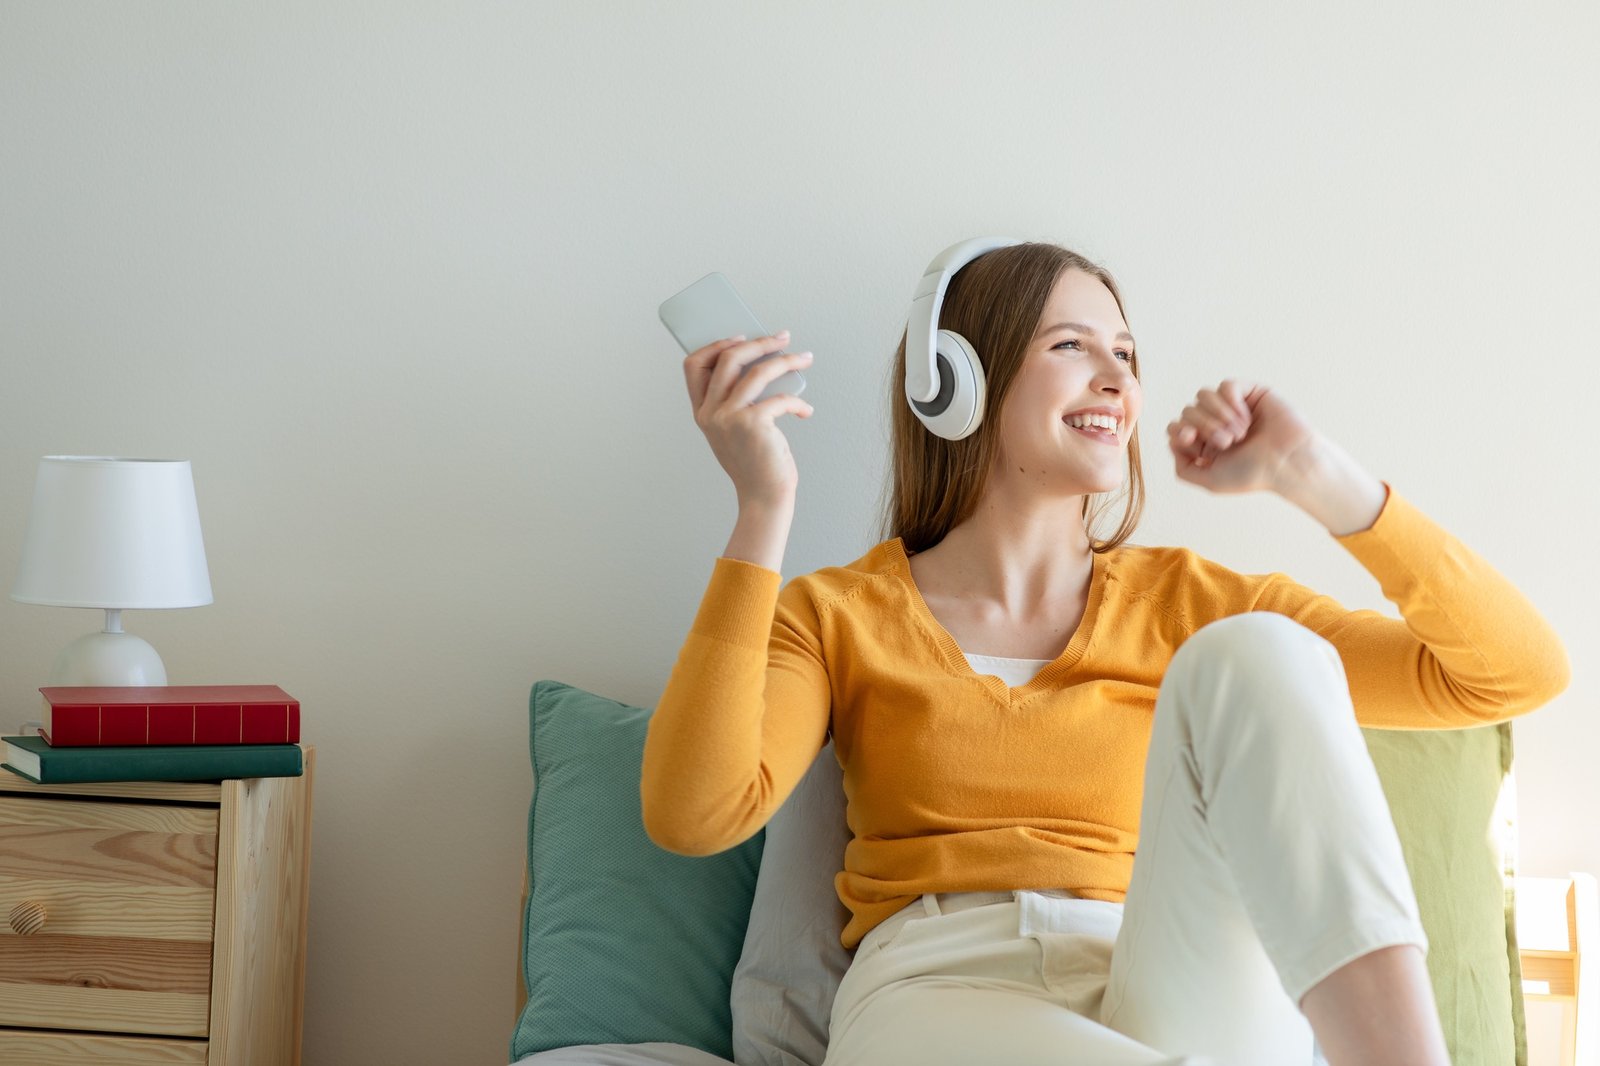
1556, 919
173, 921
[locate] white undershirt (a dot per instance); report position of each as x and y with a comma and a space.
1014, 672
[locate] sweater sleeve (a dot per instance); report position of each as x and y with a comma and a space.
743, 716
1468, 650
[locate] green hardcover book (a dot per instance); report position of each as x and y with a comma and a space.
32, 758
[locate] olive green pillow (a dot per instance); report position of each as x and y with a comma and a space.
1443, 787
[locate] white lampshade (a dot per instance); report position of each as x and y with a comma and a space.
114, 534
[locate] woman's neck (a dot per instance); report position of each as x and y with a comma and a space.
1013, 566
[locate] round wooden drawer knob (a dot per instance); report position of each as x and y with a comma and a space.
27, 917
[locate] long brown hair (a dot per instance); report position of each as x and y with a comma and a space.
996, 302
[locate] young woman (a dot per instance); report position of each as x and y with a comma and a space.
1109, 803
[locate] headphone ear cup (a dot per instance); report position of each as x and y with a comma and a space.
958, 408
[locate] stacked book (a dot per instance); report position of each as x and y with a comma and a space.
167, 733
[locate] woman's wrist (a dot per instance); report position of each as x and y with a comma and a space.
1326, 482
761, 532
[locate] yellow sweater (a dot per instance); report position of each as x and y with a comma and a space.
956, 782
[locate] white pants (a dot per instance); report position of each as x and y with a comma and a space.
1267, 859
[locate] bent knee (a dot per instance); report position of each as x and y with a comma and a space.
1253, 632
1258, 642
1227, 670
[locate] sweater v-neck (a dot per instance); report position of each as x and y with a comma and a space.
1047, 678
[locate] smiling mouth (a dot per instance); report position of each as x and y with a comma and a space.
1104, 436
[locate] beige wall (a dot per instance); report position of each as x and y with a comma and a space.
387, 274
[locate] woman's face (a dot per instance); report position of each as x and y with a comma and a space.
1081, 356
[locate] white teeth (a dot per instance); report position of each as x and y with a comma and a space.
1107, 422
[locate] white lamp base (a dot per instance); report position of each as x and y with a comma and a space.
109, 659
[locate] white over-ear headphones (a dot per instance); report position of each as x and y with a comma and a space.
944, 377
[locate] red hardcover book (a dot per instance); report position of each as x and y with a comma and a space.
83, 716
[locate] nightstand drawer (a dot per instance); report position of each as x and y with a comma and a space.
122, 896
80, 1049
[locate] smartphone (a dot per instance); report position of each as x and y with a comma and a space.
710, 310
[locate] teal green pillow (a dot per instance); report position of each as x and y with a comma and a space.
623, 942
1442, 787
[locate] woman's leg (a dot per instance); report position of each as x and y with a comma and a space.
1378, 1010
1267, 857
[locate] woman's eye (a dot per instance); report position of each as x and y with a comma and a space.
1126, 355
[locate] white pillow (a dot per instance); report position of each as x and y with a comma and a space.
792, 962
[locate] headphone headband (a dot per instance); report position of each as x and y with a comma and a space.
922, 375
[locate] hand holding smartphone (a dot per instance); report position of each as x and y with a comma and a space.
740, 425
710, 310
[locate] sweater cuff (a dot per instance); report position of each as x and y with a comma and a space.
1396, 541
739, 604
1397, 522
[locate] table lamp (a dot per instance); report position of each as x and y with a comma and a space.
112, 534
